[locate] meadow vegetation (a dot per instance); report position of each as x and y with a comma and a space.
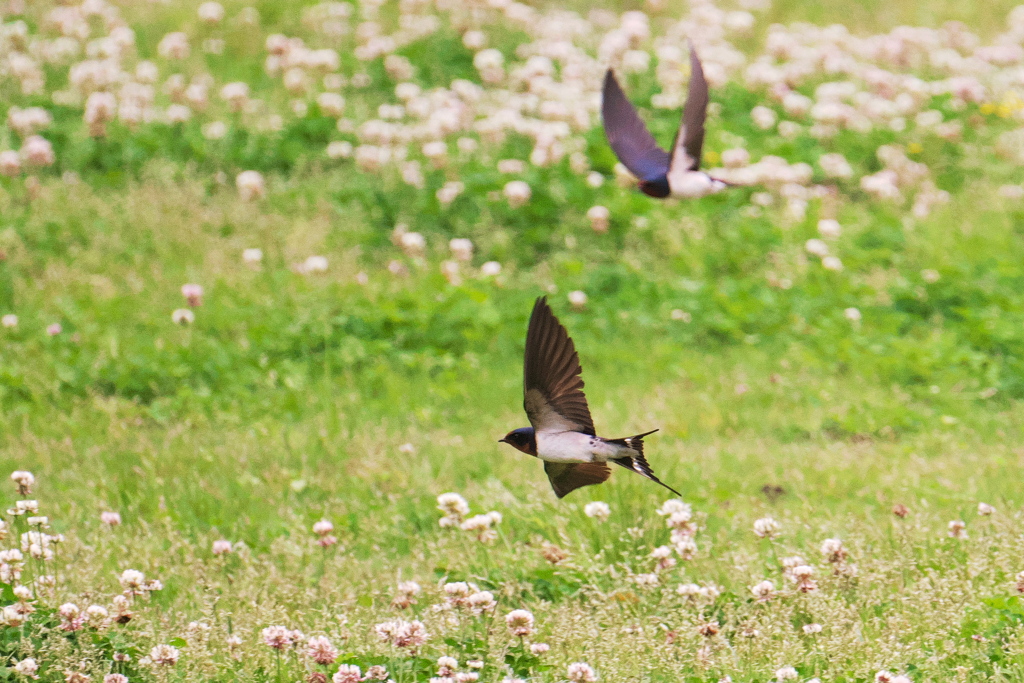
266, 270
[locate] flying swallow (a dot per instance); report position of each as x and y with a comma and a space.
563, 433
661, 173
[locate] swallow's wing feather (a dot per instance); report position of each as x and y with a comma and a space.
567, 477
628, 136
689, 142
552, 387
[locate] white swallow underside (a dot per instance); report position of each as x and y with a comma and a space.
577, 447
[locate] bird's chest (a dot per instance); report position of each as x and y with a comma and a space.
568, 447
692, 184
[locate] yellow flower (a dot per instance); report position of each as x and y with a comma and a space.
915, 148
987, 108
712, 157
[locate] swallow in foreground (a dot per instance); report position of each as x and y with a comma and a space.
563, 433
661, 173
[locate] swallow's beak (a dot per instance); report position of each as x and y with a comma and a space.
502, 441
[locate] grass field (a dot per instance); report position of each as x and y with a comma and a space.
838, 347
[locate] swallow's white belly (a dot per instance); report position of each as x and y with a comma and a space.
575, 447
693, 184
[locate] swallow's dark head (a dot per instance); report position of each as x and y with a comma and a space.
522, 439
657, 188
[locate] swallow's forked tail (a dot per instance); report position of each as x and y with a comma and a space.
636, 460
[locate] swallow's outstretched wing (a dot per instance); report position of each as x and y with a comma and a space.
567, 477
689, 142
629, 138
552, 387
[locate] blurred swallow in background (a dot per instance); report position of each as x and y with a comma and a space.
661, 173
563, 434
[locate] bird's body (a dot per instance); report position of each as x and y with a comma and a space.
661, 174
577, 447
563, 434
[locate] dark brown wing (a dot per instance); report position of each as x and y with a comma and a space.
552, 387
628, 136
567, 477
691, 132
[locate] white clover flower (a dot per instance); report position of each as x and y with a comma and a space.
832, 263
450, 191
339, 149
174, 46
110, 518
402, 634
10, 163
833, 550
835, 166
599, 217
252, 255
829, 228
490, 269
661, 552
24, 480
461, 248
816, 247
480, 602
250, 185
221, 547
236, 95
957, 529
183, 316
446, 666
644, 580
409, 588
580, 672
812, 629
96, 613
9, 320
68, 610
852, 314
786, 673
132, 580
452, 504
193, 294
13, 616
684, 544
164, 655
278, 637
764, 118
984, 509
519, 622
313, 264
517, 192
321, 651
577, 299
766, 527
597, 510
763, 591
674, 506
211, 12
26, 667
412, 243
